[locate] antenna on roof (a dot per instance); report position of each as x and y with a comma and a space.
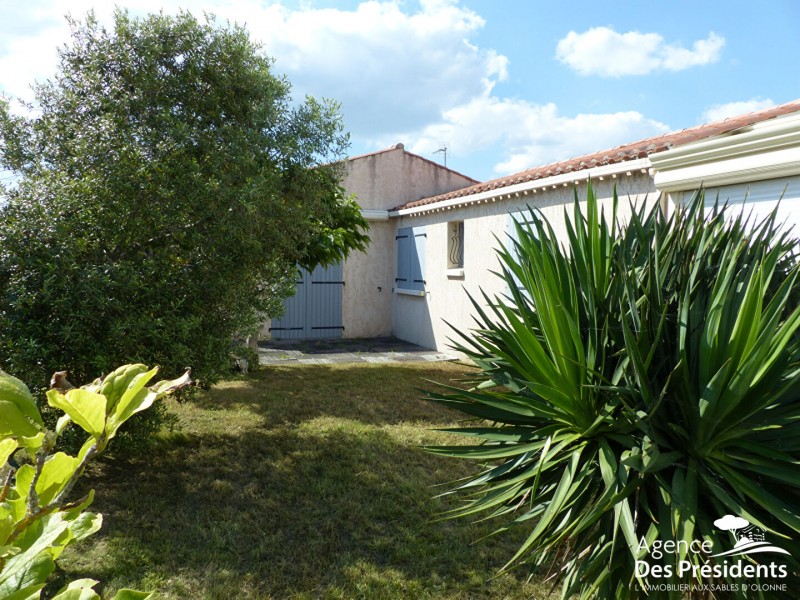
443, 150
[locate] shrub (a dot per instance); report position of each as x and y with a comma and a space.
634, 388
163, 193
38, 519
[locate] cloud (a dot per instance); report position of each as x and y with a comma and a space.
391, 70
402, 72
531, 134
604, 52
719, 112
390, 67
729, 522
31, 34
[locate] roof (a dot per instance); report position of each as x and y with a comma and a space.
402, 147
626, 152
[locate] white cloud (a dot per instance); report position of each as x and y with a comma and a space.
392, 69
604, 52
532, 134
719, 112
401, 74
31, 34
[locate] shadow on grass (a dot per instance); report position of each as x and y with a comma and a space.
373, 394
285, 514
300, 482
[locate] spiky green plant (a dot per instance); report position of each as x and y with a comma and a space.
638, 383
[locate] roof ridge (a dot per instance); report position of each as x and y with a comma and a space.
445, 167
397, 146
401, 146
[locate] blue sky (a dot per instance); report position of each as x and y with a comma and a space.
506, 85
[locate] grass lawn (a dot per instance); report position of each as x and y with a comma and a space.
297, 482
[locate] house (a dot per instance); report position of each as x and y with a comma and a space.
354, 298
437, 240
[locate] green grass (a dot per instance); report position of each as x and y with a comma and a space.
297, 482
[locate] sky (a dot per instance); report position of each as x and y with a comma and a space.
504, 85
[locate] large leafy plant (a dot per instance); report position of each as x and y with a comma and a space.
38, 518
636, 385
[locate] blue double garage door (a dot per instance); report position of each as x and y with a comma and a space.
315, 311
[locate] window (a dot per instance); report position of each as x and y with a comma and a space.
455, 245
410, 260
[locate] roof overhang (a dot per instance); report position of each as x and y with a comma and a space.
374, 215
765, 150
535, 186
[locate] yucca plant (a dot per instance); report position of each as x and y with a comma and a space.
637, 384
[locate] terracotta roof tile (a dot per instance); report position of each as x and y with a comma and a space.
627, 152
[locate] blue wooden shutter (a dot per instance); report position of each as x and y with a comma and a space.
418, 259
410, 258
404, 245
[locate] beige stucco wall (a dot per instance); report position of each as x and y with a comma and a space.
392, 177
421, 320
382, 181
367, 293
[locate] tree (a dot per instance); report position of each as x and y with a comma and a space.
166, 187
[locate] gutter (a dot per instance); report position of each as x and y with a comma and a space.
628, 167
765, 150
374, 215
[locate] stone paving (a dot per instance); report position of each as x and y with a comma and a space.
328, 352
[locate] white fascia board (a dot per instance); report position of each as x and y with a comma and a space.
375, 215
769, 135
764, 151
768, 165
562, 180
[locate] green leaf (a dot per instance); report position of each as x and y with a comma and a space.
135, 399
62, 422
32, 443
24, 575
13, 422
27, 571
7, 447
14, 391
126, 594
80, 589
56, 472
86, 409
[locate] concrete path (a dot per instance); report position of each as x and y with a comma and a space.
327, 352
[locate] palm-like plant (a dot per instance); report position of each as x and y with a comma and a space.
635, 387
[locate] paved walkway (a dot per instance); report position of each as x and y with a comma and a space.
327, 352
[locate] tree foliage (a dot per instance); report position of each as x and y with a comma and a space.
636, 388
165, 188
38, 516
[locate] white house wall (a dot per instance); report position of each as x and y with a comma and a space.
755, 200
421, 320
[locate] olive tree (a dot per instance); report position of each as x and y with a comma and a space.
165, 186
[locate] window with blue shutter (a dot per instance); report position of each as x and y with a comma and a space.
410, 259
